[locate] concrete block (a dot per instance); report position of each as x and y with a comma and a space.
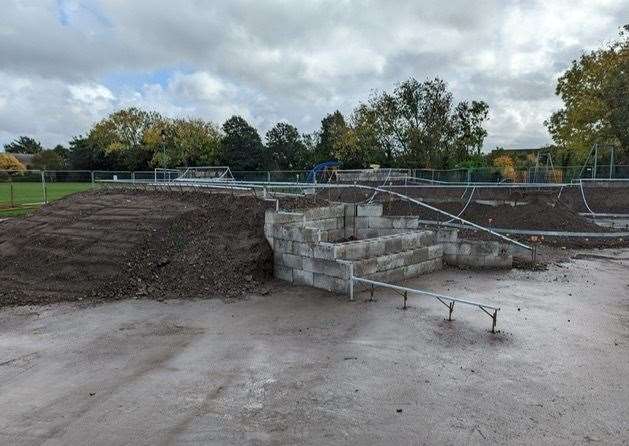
390, 276
289, 260
273, 218
391, 261
301, 249
485, 248
324, 250
329, 283
324, 212
351, 250
375, 248
394, 244
427, 238
450, 248
283, 273
369, 210
405, 223
280, 245
350, 210
381, 222
465, 249
365, 267
268, 233
361, 222
328, 267
471, 261
301, 277
450, 259
411, 271
312, 235
447, 235
419, 255
498, 261
335, 234
324, 224
363, 234
435, 251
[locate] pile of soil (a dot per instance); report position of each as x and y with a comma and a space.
117, 244
611, 199
534, 215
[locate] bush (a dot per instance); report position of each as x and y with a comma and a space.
9, 162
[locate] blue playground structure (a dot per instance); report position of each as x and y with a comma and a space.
321, 167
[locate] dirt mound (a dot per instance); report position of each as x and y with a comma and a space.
534, 215
115, 244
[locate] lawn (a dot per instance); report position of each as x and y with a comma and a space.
32, 194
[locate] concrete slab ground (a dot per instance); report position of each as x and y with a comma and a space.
302, 366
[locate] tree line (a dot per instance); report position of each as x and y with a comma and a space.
415, 125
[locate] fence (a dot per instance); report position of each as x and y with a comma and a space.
23, 189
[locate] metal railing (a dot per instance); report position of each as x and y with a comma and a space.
448, 301
33, 187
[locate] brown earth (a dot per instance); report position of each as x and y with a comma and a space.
535, 215
601, 199
115, 244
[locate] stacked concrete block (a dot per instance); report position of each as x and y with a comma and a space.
474, 253
309, 247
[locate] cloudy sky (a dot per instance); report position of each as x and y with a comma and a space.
64, 64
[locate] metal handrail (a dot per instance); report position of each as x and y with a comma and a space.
440, 297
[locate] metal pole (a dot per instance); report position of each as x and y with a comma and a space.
595, 160
371, 295
611, 163
493, 321
43, 185
450, 310
92, 176
405, 299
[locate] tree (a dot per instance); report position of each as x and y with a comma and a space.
183, 142
241, 146
47, 160
123, 133
83, 155
595, 92
506, 165
331, 126
286, 148
419, 125
24, 144
64, 155
9, 162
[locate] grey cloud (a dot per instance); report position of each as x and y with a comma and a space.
290, 60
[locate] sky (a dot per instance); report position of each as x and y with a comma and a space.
65, 64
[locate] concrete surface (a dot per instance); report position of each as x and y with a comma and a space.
301, 366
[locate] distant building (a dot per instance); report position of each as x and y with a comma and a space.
24, 158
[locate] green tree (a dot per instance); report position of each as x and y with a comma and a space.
183, 142
241, 146
123, 134
595, 92
47, 160
418, 124
331, 126
64, 155
286, 148
24, 144
83, 155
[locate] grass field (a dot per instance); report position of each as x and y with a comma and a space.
27, 195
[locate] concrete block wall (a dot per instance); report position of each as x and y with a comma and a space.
387, 249
474, 253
